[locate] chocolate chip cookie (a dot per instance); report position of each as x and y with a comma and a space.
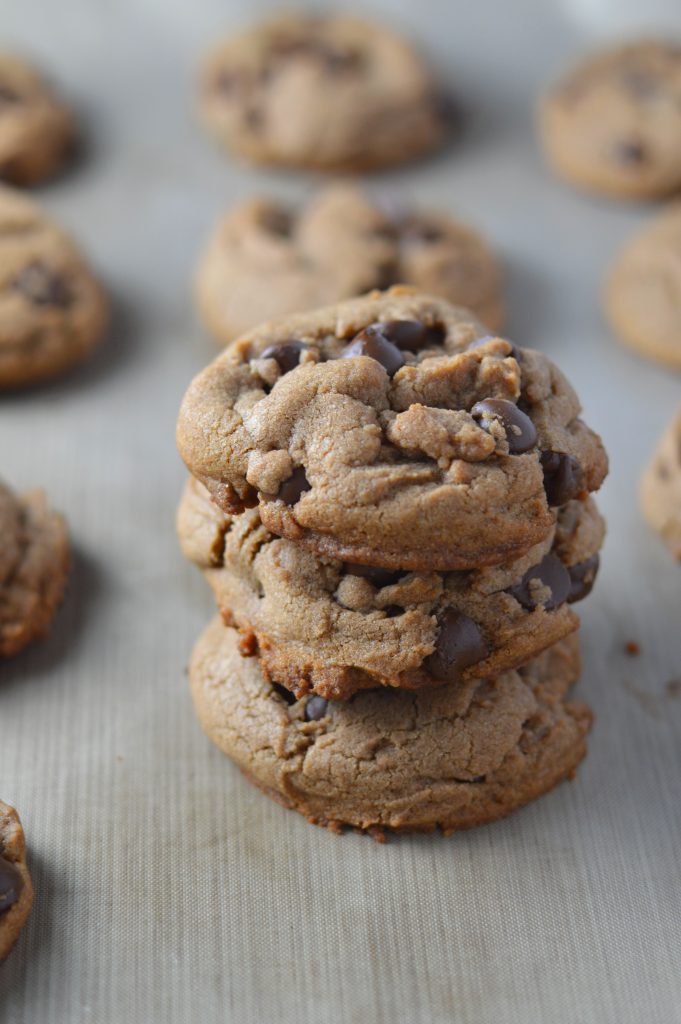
34, 562
333, 628
448, 757
661, 487
392, 431
643, 290
52, 310
327, 92
613, 124
16, 892
338, 245
36, 130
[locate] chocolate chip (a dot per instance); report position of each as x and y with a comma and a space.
629, 152
563, 477
42, 286
276, 221
521, 432
392, 611
291, 489
11, 884
285, 694
7, 94
551, 573
459, 644
374, 573
315, 708
582, 577
341, 61
411, 335
286, 354
371, 342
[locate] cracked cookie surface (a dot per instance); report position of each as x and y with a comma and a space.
16, 893
326, 92
34, 562
36, 129
448, 758
52, 310
642, 297
613, 124
323, 626
365, 430
661, 487
340, 244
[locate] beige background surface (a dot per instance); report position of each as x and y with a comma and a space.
170, 891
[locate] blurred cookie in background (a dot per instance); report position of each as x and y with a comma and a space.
52, 310
265, 260
661, 487
329, 92
34, 564
36, 129
16, 892
643, 290
613, 123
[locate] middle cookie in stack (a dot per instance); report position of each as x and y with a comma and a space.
401, 502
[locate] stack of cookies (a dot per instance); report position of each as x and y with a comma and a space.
392, 509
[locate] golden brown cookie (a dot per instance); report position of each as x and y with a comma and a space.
34, 563
368, 429
52, 310
333, 628
450, 758
613, 124
330, 92
642, 296
16, 892
661, 487
341, 243
36, 130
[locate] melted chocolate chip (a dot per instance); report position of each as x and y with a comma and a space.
315, 708
411, 335
277, 221
371, 342
582, 577
392, 611
42, 286
286, 354
563, 477
551, 573
11, 884
521, 432
374, 573
291, 489
459, 644
629, 152
285, 694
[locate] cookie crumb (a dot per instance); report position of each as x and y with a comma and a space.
632, 648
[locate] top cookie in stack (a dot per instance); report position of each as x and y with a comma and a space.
391, 430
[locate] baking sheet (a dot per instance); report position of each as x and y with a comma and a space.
169, 890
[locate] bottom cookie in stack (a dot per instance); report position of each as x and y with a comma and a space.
445, 757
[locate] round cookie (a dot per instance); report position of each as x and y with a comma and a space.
331, 628
661, 487
365, 430
34, 563
448, 758
338, 245
52, 310
36, 130
16, 892
325, 92
642, 297
613, 124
